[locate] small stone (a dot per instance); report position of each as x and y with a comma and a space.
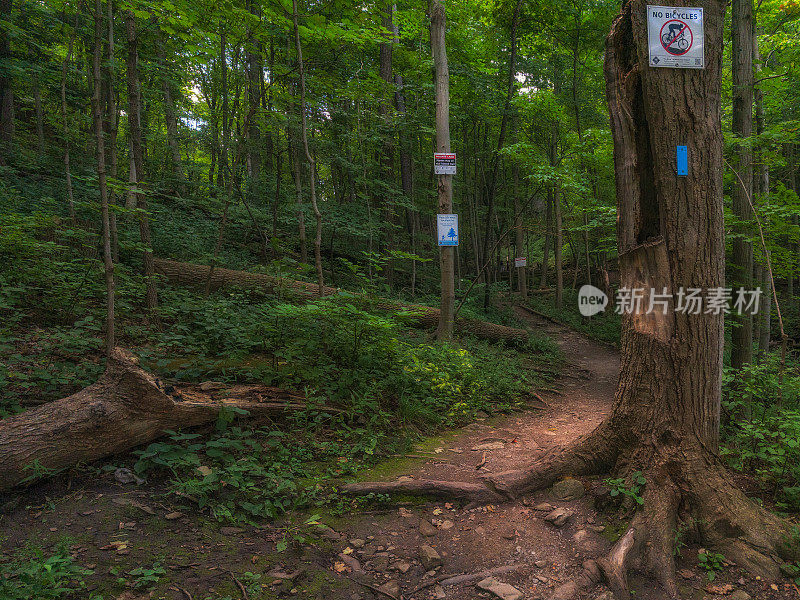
540, 564
607, 595
392, 588
542, 578
720, 589
566, 591
438, 592
429, 557
426, 529
499, 589
559, 517
401, 565
568, 489
380, 563
405, 513
489, 446
357, 543
173, 516
350, 561
126, 476
596, 528
739, 595
446, 524
544, 506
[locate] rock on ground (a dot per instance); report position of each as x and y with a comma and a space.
499, 589
568, 489
429, 557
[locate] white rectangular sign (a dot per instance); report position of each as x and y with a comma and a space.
444, 163
675, 37
520, 262
447, 230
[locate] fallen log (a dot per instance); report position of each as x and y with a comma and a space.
194, 275
125, 408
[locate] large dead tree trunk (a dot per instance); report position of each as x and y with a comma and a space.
127, 407
665, 420
193, 275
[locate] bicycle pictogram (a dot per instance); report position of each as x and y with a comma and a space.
676, 37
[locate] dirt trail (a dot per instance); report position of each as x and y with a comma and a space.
470, 541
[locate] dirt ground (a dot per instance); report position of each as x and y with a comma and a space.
406, 550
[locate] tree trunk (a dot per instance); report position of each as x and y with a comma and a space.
67, 169
37, 105
309, 158
6, 89
558, 243
386, 157
127, 407
665, 420
522, 281
134, 124
492, 183
97, 111
169, 114
255, 69
113, 125
297, 171
444, 331
548, 226
742, 192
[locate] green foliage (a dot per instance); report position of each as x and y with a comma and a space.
147, 577
711, 562
761, 435
631, 486
32, 573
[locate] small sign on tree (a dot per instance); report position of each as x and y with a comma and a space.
447, 230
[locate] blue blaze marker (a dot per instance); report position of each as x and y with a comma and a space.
683, 161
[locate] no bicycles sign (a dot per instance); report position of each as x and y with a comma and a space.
675, 37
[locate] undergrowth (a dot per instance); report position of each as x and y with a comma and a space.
761, 428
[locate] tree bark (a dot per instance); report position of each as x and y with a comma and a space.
169, 114
310, 159
519, 242
108, 263
6, 88
742, 192
135, 127
67, 168
444, 331
386, 158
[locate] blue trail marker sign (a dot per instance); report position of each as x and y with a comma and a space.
447, 230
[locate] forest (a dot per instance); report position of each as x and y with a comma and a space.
246, 353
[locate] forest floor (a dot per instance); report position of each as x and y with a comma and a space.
139, 546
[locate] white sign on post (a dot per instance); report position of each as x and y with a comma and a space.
675, 37
447, 230
444, 163
520, 261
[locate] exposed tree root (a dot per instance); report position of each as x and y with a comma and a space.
685, 482
475, 492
